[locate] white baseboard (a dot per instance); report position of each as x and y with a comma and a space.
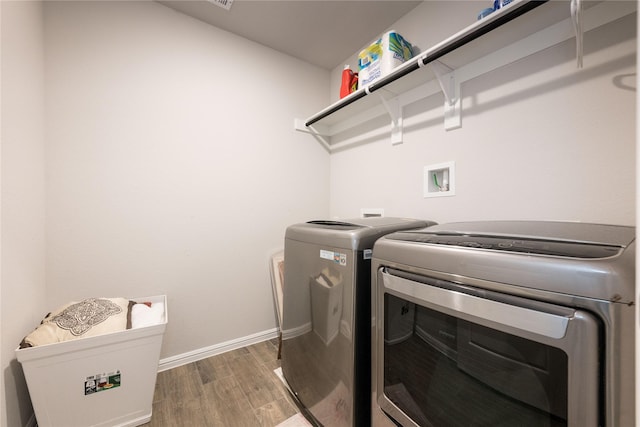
203, 353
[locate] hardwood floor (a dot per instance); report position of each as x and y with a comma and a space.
237, 388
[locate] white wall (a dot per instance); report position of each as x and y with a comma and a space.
144, 152
22, 279
539, 138
172, 165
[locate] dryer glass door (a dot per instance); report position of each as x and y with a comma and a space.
450, 355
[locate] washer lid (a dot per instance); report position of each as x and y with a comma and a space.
359, 233
369, 222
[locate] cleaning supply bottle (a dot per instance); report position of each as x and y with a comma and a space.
349, 82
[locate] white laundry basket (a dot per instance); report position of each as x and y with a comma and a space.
66, 380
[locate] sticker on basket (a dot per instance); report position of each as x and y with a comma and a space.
336, 257
101, 382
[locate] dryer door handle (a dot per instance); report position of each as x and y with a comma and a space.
473, 308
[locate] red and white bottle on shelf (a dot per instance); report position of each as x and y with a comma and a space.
349, 82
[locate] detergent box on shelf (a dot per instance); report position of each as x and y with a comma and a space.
381, 57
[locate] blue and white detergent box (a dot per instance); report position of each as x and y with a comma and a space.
381, 57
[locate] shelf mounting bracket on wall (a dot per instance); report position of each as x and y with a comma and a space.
318, 134
451, 89
576, 19
394, 109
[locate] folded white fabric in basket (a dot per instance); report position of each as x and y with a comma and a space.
144, 315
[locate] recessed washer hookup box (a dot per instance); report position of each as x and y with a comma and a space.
105, 380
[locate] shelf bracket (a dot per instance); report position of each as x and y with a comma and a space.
299, 125
451, 89
576, 19
394, 109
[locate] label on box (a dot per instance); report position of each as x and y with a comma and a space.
101, 382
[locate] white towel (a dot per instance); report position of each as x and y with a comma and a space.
142, 315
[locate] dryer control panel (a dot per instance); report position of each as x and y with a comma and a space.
527, 246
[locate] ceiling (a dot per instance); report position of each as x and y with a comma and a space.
323, 33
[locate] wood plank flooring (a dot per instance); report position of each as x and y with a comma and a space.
237, 388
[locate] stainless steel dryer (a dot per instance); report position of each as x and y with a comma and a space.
326, 330
505, 323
